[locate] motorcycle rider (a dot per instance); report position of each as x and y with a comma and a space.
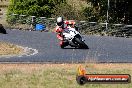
61, 25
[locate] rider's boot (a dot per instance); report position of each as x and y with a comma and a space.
63, 44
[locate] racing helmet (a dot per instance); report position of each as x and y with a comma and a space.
60, 21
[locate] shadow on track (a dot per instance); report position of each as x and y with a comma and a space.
74, 48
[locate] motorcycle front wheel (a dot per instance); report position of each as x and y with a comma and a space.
80, 43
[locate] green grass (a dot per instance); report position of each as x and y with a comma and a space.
56, 75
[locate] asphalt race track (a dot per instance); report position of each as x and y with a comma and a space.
102, 48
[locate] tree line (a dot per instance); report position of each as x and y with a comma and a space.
118, 11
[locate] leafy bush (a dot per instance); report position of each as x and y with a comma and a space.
12, 19
64, 10
68, 12
89, 14
33, 7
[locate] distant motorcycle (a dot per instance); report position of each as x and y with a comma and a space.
73, 38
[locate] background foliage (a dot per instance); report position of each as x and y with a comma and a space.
119, 11
33, 7
79, 10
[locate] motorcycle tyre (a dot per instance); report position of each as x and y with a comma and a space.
82, 45
81, 80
